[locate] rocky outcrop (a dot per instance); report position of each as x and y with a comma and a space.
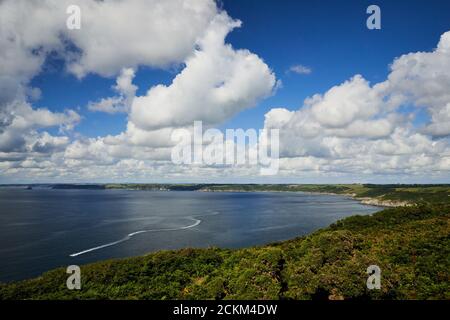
384, 203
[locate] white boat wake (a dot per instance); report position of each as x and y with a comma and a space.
129, 236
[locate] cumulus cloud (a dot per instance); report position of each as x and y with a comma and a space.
163, 33
358, 127
216, 83
422, 78
122, 102
22, 122
351, 110
49, 144
345, 103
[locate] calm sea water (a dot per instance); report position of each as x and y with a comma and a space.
42, 229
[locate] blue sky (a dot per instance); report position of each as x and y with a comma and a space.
330, 37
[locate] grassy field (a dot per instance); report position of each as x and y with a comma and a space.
411, 245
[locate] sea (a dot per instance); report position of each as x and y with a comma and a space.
45, 228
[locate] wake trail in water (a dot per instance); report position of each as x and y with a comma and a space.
129, 236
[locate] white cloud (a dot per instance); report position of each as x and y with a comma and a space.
356, 128
423, 79
21, 122
300, 69
161, 33
216, 83
345, 103
46, 143
122, 102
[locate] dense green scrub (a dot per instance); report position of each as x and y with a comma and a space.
411, 245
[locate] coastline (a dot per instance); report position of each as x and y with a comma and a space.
376, 200
330, 262
363, 200
384, 203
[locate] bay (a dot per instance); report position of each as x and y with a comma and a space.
45, 228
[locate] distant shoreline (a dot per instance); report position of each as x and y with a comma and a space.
384, 195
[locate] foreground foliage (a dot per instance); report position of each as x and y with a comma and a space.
411, 246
